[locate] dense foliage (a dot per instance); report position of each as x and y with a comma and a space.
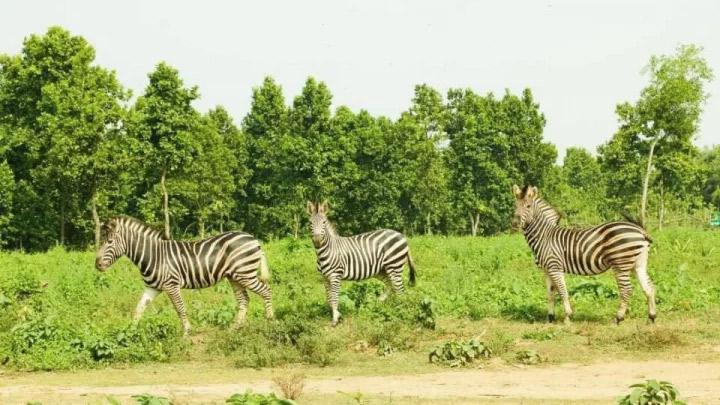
75, 148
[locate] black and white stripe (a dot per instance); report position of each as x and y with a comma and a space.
381, 253
169, 265
622, 246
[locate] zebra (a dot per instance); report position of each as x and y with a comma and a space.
381, 254
622, 246
169, 265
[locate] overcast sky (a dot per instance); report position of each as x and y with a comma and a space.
580, 58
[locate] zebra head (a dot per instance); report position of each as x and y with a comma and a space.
526, 206
319, 224
112, 248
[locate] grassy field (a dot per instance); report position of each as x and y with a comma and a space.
59, 313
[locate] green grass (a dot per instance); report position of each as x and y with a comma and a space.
58, 312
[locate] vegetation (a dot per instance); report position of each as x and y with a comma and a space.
76, 148
58, 312
652, 392
456, 353
251, 398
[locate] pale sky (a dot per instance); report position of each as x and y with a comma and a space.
580, 58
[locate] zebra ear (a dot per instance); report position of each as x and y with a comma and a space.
324, 207
532, 192
517, 192
310, 208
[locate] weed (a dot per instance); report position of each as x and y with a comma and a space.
290, 385
529, 357
455, 353
251, 398
149, 399
652, 392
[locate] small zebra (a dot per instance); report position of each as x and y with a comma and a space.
381, 254
169, 265
622, 246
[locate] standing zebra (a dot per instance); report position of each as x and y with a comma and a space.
168, 265
622, 246
381, 253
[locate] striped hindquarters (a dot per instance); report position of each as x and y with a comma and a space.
366, 255
594, 250
204, 263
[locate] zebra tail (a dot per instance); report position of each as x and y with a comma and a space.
264, 275
411, 281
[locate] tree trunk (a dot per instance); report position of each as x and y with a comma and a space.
661, 209
296, 220
96, 221
201, 228
62, 223
428, 225
166, 211
646, 183
474, 223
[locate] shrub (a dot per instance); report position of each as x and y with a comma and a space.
529, 357
251, 398
149, 399
652, 392
291, 385
456, 353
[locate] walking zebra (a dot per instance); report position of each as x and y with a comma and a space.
622, 246
381, 253
168, 265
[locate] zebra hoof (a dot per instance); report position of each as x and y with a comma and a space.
618, 319
551, 318
651, 317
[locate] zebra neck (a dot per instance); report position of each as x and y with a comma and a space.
536, 232
144, 251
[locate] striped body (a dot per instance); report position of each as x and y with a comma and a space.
621, 246
168, 265
362, 256
381, 253
587, 251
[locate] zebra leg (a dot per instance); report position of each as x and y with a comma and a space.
262, 289
242, 298
332, 289
176, 298
388, 287
625, 288
396, 281
646, 283
558, 280
148, 295
550, 299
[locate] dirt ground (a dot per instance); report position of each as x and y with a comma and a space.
699, 383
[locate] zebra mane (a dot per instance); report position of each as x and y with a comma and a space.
149, 230
548, 211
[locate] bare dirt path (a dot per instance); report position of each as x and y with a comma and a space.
699, 383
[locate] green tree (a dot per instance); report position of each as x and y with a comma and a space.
711, 186
269, 191
237, 144
59, 107
662, 122
427, 192
166, 121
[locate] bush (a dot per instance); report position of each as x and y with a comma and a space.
456, 353
529, 357
148, 399
652, 392
289, 340
251, 398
